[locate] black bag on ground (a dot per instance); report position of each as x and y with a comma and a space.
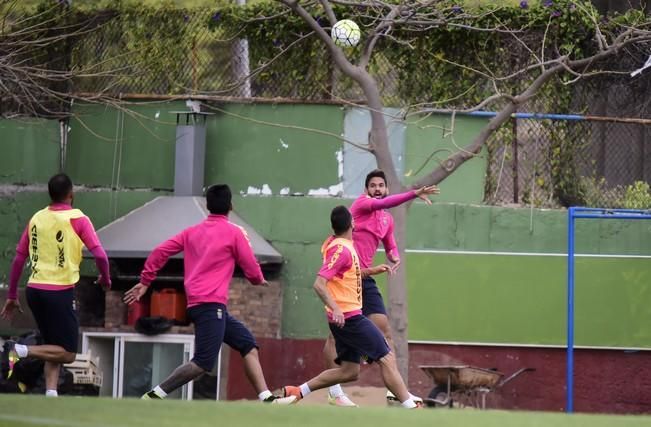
153, 325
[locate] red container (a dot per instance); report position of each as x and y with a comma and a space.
169, 303
137, 310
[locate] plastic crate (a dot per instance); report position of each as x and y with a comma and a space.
85, 370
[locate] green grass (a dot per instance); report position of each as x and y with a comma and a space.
18, 411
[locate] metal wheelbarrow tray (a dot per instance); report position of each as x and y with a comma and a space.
469, 380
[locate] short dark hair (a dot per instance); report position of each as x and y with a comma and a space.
218, 199
341, 220
377, 173
59, 187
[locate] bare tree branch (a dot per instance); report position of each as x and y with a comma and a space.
383, 27
329, 12
454, 161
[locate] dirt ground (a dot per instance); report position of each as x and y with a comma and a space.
363, 396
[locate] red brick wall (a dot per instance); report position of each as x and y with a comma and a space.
259, 308
606, 381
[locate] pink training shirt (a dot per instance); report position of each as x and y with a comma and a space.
211, 249
373, 224
86, 232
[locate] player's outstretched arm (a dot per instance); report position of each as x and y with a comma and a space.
423, 193
394, 200
245, 258
159, 256
17, 265
377, 269
86, 232
134, 294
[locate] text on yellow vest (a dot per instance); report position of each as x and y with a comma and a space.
54, 247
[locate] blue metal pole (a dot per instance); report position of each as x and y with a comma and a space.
570, 311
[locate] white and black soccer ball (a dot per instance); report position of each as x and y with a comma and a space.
346, 33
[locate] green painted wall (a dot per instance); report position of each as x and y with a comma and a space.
111, 148
245, 153
522, 299
429, 140
30, 150
453, 297
479, 298
136, 149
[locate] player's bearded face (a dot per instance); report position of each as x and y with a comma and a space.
377, 188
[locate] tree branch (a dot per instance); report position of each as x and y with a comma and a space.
384, 26
329, 12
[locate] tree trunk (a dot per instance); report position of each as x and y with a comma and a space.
379, 141
397, 290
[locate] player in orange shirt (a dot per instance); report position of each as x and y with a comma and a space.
339, 285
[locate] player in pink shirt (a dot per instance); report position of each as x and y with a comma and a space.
211, 249
373, 224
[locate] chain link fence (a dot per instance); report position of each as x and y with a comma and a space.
569, 161
599, 158
140, 55
547, 163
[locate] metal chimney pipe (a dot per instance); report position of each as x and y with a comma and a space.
190, 153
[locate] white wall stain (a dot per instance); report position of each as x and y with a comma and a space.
255, 191
333, 190
251, 191
340, 164
318, 192
283, 144
284, 191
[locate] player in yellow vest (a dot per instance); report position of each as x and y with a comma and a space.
53, 241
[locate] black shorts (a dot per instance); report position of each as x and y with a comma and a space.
358, 338
212, 326
56, 316
372, 302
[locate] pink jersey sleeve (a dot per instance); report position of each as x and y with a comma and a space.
86, 232
369, 204
389, 243
338, 260
17, 265
159, 256
102, 263
245, 258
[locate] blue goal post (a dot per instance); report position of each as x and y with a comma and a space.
575, 213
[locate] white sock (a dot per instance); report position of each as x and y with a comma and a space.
415, 398
408, 404
265, 394
21, 350
51, 393
305, 390
336, 391
160, 392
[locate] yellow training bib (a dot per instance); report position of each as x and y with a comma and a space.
54, 247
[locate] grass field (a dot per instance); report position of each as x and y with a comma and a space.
18, 411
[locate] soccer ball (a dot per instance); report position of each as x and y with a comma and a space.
345, 33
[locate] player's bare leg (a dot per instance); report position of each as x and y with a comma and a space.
253, 371
336, 395
181, 376
382, 322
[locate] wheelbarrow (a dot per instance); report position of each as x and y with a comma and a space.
475, 383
